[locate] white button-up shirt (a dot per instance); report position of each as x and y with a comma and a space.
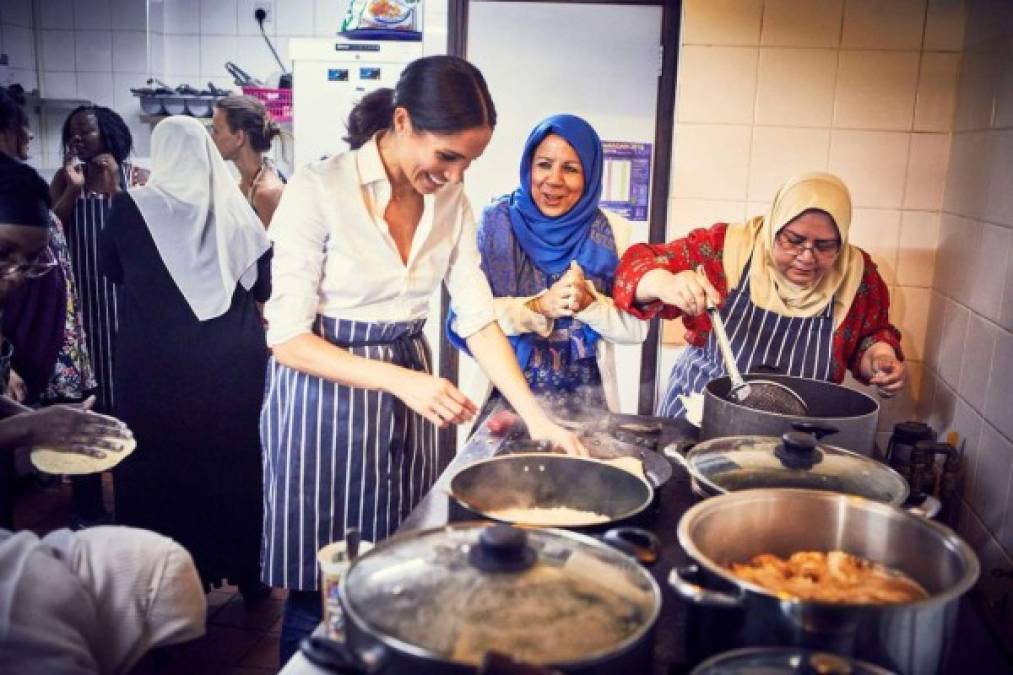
334, 255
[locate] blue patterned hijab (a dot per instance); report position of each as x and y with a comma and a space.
551, 243
582, 234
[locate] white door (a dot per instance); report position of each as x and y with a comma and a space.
598, 61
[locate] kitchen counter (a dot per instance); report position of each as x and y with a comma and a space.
976, 650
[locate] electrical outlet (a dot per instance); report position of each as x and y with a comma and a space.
267, 8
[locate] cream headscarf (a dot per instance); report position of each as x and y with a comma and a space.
206, 233
769, 288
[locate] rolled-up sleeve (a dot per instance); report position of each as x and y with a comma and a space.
299, 232
470, 295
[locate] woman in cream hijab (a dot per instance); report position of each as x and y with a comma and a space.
793, 293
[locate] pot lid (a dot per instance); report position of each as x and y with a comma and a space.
796, 460
545, 597
784, 661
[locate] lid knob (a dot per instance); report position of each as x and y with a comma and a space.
797, 450
502, 548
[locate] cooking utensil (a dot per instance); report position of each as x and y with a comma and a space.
854, 413
795, 460
547, 480
241, 77
912, 638
784, 661
758, 394
432, 601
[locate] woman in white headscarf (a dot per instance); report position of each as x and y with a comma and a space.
794, 294
93, 602
191, 261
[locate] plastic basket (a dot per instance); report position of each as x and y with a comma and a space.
277, 101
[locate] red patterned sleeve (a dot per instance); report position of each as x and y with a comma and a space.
702, 246
867, 322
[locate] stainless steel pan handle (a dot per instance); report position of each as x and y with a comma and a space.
678, 579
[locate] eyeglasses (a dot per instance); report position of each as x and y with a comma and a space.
42, 263
796, 245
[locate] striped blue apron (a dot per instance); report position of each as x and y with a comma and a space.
337, 457
799, 346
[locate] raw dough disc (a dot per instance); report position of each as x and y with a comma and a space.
73, 463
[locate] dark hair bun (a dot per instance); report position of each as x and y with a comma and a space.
373, 113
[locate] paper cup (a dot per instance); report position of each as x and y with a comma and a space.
333, 564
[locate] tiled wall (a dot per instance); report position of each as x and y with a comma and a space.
968, 383
862, 88
87, 49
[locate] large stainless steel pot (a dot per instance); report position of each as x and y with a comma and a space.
912, 638
853, 413
429, 601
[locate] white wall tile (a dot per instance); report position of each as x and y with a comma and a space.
999, 208
986, 20
218, 17
155, 16
26, 77
909, 311
801, 23
967, 177
19, 45
94, 51
999, 399
876, 90
716, 84
796, 87
1006, 312
988, 271
182, 17
979, 74
721, 22
327, 17
872, 164
976, 366
257, 58
59, 84
1004, 95
968, 424
18, 13
926, 171
883, 24
130, 15
958, 246
58, 50
214, 52
247, 24
56, 14
952, 343
295, 17
92, 15
96, 87
778, 153
156, 55
183, 55
944, 402
944, 25
916, 253
124, 102
878, 232
991, 479
711, 161
937, 91
689, 214
130, 51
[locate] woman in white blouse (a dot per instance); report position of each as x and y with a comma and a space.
361, 241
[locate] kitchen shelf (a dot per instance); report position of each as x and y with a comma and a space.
39, 103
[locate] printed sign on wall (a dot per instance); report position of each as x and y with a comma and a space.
626, 178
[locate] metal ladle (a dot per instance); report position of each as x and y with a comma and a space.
764, 395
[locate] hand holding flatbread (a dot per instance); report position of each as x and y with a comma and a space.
71, 439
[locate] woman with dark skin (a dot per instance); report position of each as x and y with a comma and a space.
96, 145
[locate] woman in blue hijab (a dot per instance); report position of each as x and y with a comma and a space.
550, 256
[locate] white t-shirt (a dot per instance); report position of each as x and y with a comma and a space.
333, 253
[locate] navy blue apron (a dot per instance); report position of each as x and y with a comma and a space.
799, 346
337, 457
